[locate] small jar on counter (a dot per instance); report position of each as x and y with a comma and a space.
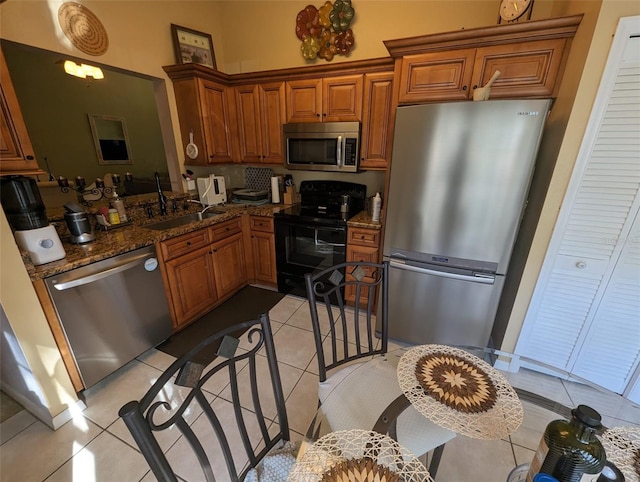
114, 218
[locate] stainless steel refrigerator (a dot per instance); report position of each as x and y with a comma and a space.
460, 174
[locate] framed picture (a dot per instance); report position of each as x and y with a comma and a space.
192, 46
111, 139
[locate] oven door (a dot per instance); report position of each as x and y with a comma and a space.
302, 248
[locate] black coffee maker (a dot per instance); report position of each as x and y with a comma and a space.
22, 203
27, 216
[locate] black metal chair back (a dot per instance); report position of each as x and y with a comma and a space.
351, 327
155, 412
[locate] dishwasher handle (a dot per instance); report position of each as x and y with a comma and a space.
483, 279
83, 280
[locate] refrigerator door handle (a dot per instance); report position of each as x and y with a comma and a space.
483, 279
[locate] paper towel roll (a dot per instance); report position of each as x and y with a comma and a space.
275, 190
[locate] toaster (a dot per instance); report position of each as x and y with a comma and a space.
212, 190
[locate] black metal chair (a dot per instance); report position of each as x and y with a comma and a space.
357, 385
223, 425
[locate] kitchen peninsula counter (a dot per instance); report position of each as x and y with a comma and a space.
127, 238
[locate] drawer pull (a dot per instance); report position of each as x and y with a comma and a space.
188, 243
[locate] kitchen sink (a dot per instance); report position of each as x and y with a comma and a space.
181, 220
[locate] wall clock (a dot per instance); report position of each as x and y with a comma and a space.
514, 10
83, 28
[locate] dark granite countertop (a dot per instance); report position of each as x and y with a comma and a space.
363, 220
134, 235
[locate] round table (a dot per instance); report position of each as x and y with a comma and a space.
546, 393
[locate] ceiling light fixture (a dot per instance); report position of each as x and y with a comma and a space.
83, 70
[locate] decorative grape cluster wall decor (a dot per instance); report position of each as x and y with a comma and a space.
325, 31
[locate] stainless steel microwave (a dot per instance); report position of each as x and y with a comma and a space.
323, 146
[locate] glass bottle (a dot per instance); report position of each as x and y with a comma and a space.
569, 450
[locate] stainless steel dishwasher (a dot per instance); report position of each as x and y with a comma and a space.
111, 311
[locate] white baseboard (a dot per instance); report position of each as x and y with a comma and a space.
42, 412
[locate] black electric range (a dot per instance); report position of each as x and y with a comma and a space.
312, 235
325, 202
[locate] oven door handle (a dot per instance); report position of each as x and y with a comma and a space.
339, 151
325, 243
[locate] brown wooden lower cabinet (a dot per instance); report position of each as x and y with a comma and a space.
202, 269
192, 285
229, 265
264, 250
362, 245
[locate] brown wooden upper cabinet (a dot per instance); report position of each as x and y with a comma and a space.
328, 99
16, 152
206, 112
375, 146
527, 69
449, 66
261, 112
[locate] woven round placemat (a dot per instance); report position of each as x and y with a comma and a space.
459, 391
83, 28
358, 456
622, 445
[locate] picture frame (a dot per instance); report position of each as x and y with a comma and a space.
111, 139
191, 46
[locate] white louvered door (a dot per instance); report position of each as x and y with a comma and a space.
584, 316
610, 352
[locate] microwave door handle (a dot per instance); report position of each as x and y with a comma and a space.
339, 151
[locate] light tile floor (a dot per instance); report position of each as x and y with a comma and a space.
96, 446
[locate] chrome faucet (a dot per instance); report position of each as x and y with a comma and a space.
162, 199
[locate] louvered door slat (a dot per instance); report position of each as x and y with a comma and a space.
585, 312
611, 350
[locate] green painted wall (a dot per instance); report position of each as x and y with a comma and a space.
56, 105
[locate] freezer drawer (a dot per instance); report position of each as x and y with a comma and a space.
431, 305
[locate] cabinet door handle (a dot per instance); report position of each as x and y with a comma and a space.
188, 243
475, 87
464, 87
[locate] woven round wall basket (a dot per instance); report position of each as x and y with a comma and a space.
459, 391
83, 28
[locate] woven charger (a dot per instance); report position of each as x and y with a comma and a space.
83, 28
622, 445
358, 456
459, 391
